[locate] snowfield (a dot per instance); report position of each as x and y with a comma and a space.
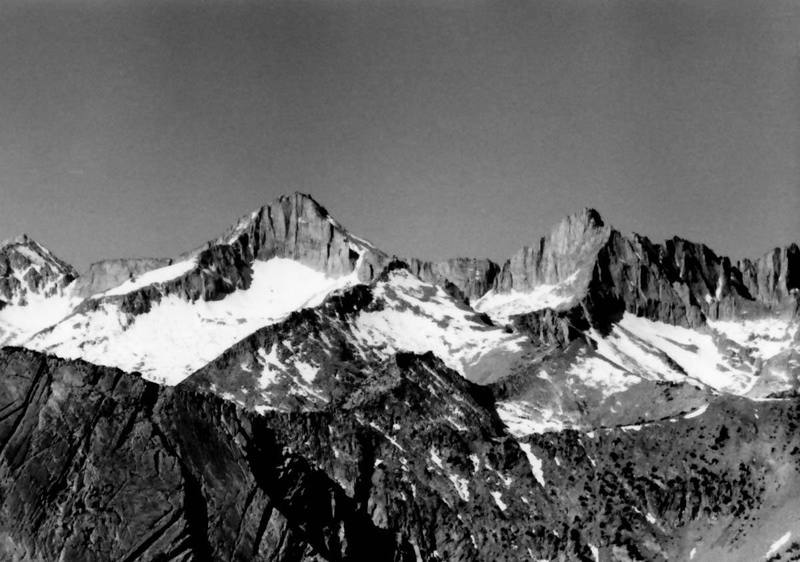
655, 350
18, 323
419, 317
178, 337
765, 336
502, 306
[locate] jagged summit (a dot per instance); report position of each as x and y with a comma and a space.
28, 270
297, 227
335, 403
593, 215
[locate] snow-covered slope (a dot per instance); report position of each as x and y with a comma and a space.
34, 289
176, 337
548, 331
299, 363
501, 306
419, 317
645, 370
153, 277
673, 353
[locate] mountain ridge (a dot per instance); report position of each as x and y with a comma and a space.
597, 396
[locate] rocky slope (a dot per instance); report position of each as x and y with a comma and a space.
574, 304
584, 261
29, 272
282, 257
35, 288
467, 279
597, 397
411, 464
100, 465
772, 278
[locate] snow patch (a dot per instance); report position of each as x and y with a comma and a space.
271, 367
523, 418
766, 336
502, 306
534, 461
461, 485
599, 372
498, 499
699, 412
778, 544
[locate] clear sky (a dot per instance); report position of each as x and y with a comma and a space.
434, 128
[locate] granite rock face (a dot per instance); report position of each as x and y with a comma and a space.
294, 227
28, 270
298, 228
107, 274
679, 282
570, 249
465, 278
774, 278
684, 283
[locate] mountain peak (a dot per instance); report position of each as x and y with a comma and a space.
27, 268
297, 227
593, 216
19, 240
586, 219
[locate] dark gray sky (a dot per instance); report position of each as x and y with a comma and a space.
434, 128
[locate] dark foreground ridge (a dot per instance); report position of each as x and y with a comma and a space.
99, 465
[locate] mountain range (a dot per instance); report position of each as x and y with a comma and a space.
289, 391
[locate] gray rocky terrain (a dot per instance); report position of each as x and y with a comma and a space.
598, 396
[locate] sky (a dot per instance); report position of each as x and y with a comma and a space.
434, 128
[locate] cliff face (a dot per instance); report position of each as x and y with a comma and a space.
774, 278
678, 282
465, 278
217, 272
107, 274
299, 228
294, 227
569, 250
683, 283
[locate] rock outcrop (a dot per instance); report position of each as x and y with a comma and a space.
465, 278
28, 270
569, 251
412, 464
294, 227
774, 278
99, 465
107, 274
679, 282
299, 228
